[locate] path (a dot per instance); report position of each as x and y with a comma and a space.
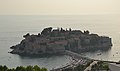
90, 66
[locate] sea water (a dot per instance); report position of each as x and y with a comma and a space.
13, 27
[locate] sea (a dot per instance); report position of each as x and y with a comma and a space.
13, 27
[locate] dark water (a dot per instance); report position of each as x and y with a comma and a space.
12, 28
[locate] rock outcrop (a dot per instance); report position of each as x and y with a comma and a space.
56, 41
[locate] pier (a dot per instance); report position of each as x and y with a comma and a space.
75, 55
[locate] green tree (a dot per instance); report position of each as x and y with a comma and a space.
5, 68
36, 68
11, 69
21, 68
29, 68
43, 69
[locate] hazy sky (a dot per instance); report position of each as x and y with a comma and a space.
40, 7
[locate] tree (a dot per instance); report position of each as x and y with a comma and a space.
46, 31
43, 69
70, 29
39, 34
5, 68
29, 68
26, 35
86, 32
21, 68
36, 68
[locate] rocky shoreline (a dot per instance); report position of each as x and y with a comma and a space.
55, 41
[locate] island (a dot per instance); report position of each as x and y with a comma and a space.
57, 41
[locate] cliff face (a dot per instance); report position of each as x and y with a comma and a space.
56, 41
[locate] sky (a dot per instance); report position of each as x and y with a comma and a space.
59, 7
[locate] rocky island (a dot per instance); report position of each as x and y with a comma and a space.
56, 41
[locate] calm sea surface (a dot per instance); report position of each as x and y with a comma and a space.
12, 28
